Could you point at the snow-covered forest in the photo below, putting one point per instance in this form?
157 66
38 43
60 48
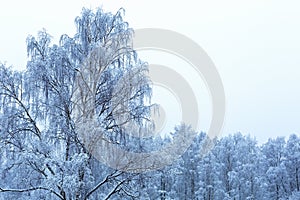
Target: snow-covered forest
42 156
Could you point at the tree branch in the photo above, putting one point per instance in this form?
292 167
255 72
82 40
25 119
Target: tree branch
32 189
106 179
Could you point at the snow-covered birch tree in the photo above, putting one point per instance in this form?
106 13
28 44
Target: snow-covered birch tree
42 155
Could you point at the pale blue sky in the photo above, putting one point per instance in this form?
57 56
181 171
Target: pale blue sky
254 44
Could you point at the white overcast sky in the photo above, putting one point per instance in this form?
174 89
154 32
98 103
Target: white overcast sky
254 44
